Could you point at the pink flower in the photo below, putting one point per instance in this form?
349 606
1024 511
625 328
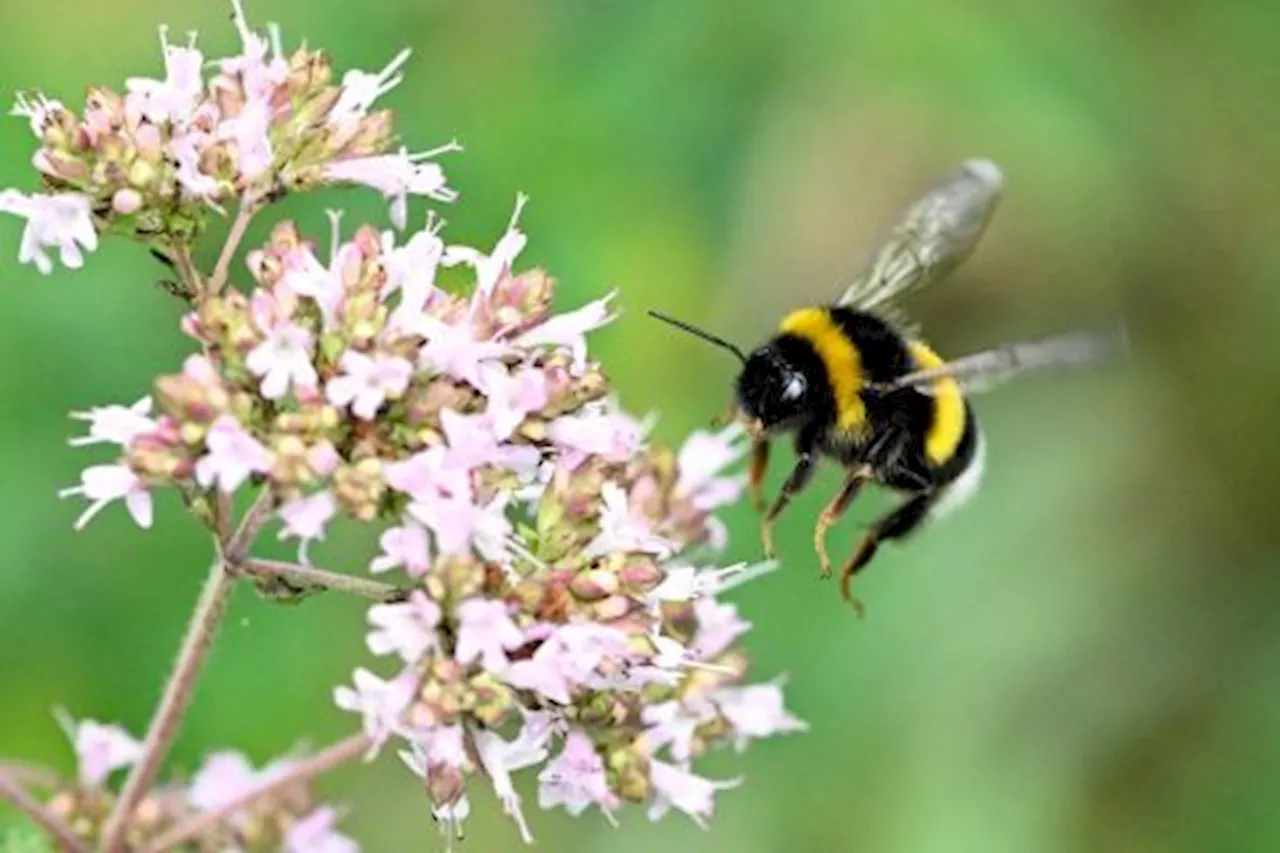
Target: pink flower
500 758
221 779
115 424
426 475
411 270
455 350
305 518
380 703
756 711
226 776
621 530
233 456
473 443
567 658
490 268
186 150
63 221
718 626
283 358
512 395
406 546
676 787
674 723
485 633
306 276
396 176
568 331
575 779
459 524
315 834
323 458
702 457
103 484
613 435
368 381
360 89
435 747
37 109
174 98
251 133
406 628
100 749
683 583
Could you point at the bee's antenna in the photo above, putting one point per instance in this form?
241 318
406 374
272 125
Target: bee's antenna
699 333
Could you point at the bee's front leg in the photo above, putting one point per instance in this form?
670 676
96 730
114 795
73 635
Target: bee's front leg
755 472
806 461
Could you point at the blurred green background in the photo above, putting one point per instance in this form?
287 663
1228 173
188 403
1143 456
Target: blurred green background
1087 657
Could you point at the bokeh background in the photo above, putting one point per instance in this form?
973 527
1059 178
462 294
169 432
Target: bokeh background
1086 658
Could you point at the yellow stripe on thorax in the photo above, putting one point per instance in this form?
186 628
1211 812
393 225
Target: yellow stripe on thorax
947 429
839 355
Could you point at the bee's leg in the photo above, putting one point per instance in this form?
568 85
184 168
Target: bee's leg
798 479
726 417
839 504
895 525
755 472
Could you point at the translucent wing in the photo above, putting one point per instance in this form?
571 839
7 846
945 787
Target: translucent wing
934 236
985 370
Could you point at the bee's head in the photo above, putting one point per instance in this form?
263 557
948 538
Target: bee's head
772 391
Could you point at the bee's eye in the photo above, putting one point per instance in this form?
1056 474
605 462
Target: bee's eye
794 389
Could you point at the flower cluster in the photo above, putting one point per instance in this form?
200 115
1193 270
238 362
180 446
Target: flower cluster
551 596
152 162
556 610
223 791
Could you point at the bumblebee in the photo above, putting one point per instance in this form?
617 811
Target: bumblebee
854 382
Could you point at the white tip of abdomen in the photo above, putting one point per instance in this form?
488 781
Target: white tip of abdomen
966 485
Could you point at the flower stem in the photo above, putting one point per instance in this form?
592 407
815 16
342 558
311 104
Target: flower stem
309 577
29 775
238 226
173 703
192 285
237 547
322 762
67 840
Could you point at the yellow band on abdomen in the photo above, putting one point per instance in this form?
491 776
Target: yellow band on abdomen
947 429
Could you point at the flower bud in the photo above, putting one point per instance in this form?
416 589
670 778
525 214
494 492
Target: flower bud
359 488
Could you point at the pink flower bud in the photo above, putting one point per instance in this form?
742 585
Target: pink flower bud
126 201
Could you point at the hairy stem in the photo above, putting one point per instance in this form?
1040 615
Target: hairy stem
322 762
238 226
237 547
29 775
192 284
313 578
174 701
67 840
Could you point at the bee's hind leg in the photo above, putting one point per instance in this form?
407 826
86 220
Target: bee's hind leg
897 524
831 514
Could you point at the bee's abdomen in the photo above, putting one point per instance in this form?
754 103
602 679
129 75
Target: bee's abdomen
950 418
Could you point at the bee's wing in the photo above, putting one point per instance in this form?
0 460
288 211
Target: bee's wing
985 370
933 237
